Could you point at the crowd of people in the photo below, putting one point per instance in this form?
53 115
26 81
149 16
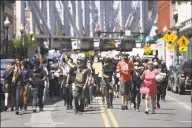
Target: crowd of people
78 83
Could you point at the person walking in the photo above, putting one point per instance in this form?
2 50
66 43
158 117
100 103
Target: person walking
149 86
8 88
97 64
164 83
135 92
107 73
81 81
125 67
17 81
37 78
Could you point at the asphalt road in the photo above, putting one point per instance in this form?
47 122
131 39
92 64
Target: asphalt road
174 112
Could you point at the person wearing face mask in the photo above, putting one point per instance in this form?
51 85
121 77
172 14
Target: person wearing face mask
107 73
37 77
164 83
81 83
125 67
149 86
96 66
159 87
135 93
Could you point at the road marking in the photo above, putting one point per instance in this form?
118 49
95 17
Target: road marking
113 118
106 122
185 121
179 102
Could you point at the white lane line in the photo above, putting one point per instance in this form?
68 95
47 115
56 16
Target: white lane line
185 121
181 103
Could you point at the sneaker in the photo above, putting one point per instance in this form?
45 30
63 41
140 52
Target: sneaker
6 108
153 111
146 111
67 108
40 109
71 107
158 105
75 111
12 108
17 112
34 110
132 105
122 107
111 106
126 107
137 110
25 107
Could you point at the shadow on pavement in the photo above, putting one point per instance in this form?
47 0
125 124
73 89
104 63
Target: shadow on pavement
48 102
165 113
167 109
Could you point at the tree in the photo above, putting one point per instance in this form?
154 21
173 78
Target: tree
58 30
22 49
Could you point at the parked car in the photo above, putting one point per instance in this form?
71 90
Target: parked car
177 77
3 63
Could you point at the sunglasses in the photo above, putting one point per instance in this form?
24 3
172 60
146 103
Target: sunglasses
136 65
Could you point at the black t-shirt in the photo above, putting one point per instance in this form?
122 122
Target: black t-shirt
72 74
7 76
37 77
108 70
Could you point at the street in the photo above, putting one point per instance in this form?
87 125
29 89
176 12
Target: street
174 112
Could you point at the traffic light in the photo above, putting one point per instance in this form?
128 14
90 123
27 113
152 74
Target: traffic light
121 32
99 31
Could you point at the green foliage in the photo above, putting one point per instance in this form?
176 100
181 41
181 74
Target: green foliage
27 41
58 30
22 50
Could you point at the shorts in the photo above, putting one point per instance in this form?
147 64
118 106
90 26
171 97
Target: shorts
125 86
8 88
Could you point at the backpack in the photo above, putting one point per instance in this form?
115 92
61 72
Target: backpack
81 75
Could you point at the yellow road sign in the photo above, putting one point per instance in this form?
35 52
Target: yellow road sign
183 48
113 44
147 49
171 47
183 41
169 37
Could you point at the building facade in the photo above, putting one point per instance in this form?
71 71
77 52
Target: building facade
164 19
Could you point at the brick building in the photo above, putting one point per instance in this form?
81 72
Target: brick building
164 15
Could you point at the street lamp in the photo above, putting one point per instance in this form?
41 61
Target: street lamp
6 24
22 39
177 27
22 31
